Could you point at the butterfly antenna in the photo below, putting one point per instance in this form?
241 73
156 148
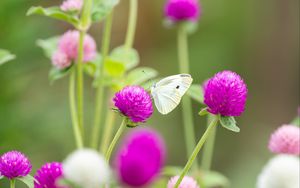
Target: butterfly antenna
150 80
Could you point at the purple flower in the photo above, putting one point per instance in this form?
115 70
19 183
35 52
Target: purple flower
134 102
285 140
182 10
48 174
14 164
225 94
140 158
60 60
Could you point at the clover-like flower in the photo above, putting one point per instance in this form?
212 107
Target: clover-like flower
14 164
140 158
72 5
285 140
86 168
225 94
134 102
48 175
281 171
187 182
182 10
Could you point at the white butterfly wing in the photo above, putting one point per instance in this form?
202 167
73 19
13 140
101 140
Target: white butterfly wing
167 92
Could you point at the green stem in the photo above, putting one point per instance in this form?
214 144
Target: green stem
80 81
109 127
100 87
133 9
208 149
75 124
198 147
12 183
115 139
186 101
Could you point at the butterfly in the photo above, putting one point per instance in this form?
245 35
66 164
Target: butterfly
167 93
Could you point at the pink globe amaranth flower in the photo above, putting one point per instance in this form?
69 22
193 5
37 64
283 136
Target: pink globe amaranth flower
226 94
187 182
48 175
285 140
134 102
60 60
68 44
182 10
71 5
139 160
14 164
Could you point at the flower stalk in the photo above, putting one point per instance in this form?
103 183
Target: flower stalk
100 87
133 9
75 123
12 183
198 147
208 149
115 139
187 112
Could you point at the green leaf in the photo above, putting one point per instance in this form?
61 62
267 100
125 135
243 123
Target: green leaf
56 73
114 68
28 180
196 92
49 45
92 67
140 75
54 12
5 56
229 123
203 112
102 8
128 57
214 179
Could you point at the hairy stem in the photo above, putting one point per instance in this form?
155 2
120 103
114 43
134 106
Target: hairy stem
12 183
115 139
133 9
109 127
75 124
100 87
198 147
208 149
187 112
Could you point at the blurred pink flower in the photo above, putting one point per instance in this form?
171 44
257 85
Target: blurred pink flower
187 182
71 5
60 60
285 140
68 44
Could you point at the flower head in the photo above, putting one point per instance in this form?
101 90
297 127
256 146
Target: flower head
140 158
187 182
48 175
69 42
14 164
285 140
182 10
60 60
72 5
87 168
281 171
135 103
225 94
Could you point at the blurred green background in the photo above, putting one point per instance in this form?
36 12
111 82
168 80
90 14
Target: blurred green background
258 39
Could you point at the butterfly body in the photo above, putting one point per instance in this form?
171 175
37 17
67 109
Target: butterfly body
167 93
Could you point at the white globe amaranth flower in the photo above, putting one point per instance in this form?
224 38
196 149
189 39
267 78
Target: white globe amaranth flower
282 171
86 168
